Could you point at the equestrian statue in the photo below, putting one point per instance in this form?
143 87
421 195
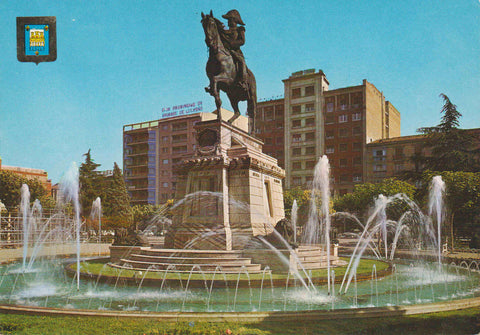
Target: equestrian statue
226 68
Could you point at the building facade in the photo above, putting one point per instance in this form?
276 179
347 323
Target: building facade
151 151
29 173
317 121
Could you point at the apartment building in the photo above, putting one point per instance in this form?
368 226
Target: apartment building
152 150
317 121
392 157
269 127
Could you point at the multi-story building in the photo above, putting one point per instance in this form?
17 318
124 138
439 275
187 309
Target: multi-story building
355 116
317 121
393 157
269 127
152 149
29 173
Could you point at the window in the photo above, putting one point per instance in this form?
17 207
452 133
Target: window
165 150
310 164
343 118
343 102
310 136
380 167
297 151
357 160
343 147
279 140
296 138
344 178
357 131
357 178
296 109
296 165
165 184
357 99
165 161
269 126
177 150
329 134
398 167
279 111
179 126
268 114
296 93
310 122
309 108
179 138
309 90
268 141
356 116
258 130
296 123
357 146
165 139
297 181
165 127
279 124
164 172
343 162
310 151
329 107
343 132
329 118
330 150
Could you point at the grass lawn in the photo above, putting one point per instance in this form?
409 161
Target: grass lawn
455 322
364 268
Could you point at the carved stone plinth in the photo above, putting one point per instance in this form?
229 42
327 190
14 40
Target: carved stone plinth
231 191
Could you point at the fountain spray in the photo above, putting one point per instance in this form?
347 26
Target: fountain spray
69 187
318 224
294 220
24 206
435 207
97 212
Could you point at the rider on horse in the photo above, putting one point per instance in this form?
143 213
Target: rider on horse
234 38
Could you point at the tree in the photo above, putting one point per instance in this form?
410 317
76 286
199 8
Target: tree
364 195
452 149
10 185
91 183
116 203
462 200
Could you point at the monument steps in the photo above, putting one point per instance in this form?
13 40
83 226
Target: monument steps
197 260
185 267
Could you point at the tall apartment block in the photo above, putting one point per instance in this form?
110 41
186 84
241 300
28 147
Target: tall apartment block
151 151
318 121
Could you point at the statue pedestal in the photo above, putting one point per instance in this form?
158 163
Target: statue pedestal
231 191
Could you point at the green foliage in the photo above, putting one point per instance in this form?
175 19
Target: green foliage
91 184
116 202
10 185
303 200
364 195
462 197
452 149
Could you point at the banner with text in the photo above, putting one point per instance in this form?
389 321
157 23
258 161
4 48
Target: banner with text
185 109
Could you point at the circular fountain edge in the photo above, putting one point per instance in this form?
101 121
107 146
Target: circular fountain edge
368 312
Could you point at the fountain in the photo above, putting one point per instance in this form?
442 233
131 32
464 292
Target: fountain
228 234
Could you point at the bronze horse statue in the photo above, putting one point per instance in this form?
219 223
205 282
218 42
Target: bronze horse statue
223 72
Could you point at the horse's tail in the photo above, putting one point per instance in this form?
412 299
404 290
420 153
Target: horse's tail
252 95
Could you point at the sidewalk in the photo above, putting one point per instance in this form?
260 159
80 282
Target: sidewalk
65 249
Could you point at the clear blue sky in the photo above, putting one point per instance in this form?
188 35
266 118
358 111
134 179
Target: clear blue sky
120 62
